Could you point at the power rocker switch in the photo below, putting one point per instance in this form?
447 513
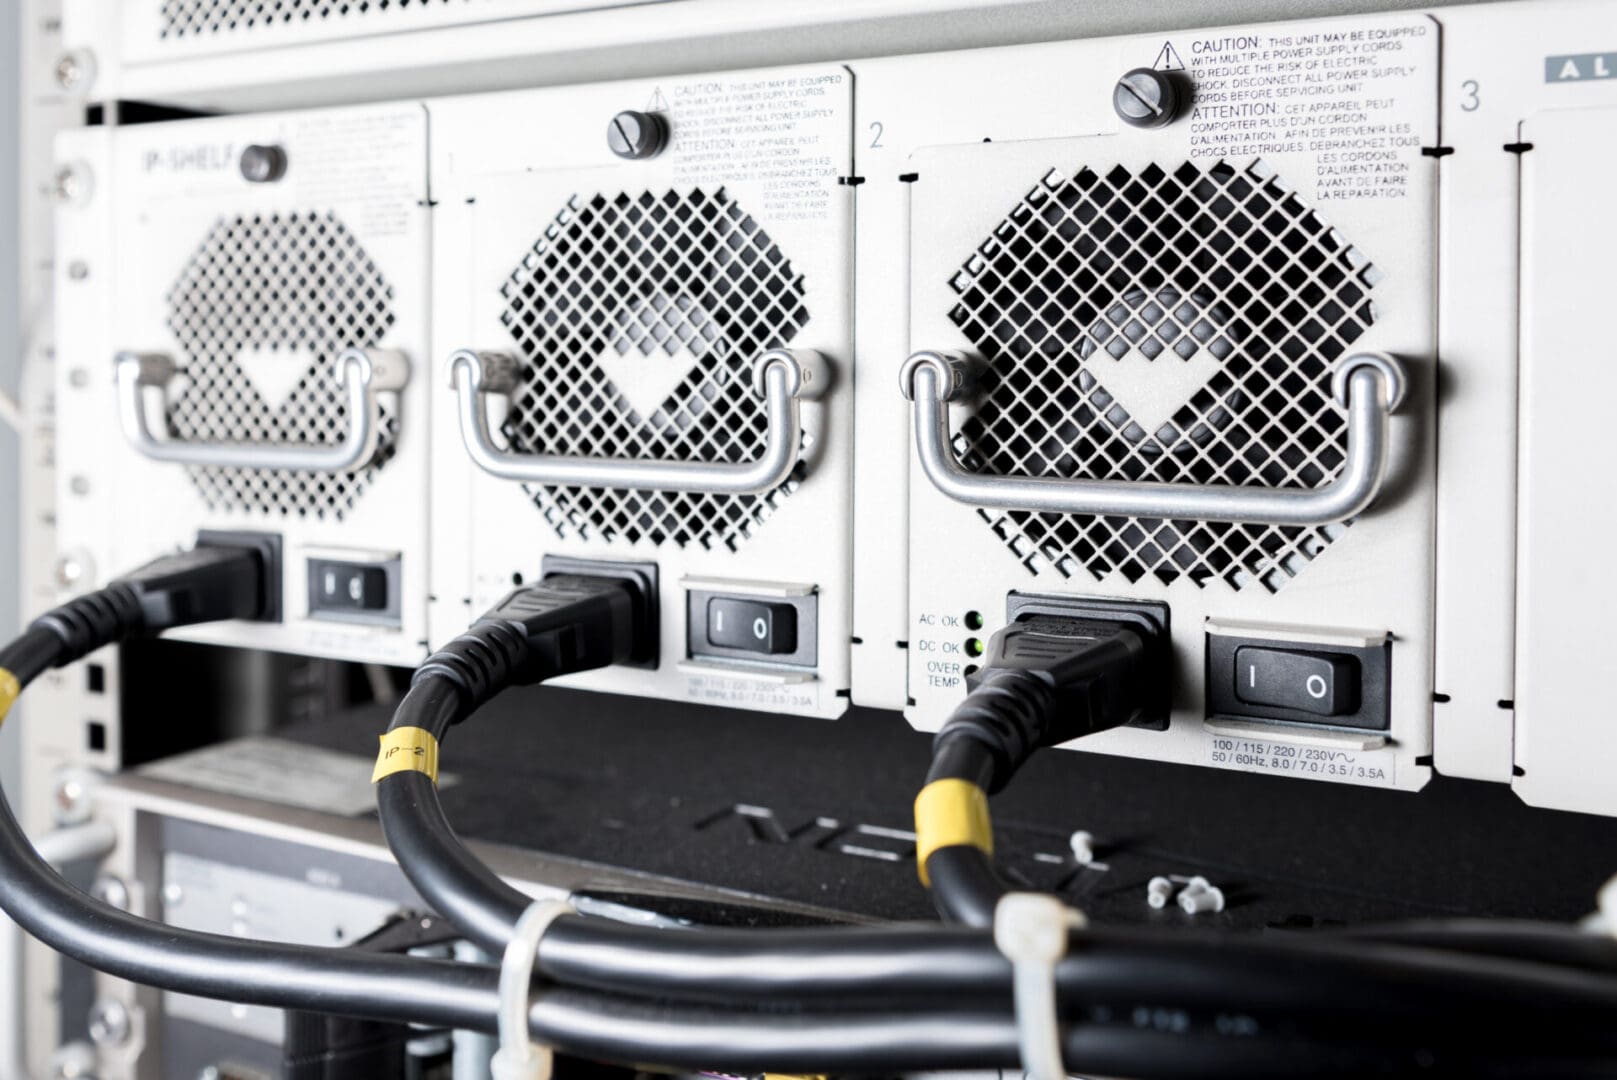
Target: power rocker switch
1298 675
338 586
1323 683
752 625
360 587
757 624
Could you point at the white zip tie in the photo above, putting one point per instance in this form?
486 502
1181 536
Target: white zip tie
1031 930
519 1058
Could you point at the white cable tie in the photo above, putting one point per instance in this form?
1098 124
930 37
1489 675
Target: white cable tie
519 1058
1031 930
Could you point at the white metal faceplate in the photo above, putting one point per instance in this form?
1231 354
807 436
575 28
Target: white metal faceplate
1566 741
676 271
1336 112
167 30
1508 712
239 282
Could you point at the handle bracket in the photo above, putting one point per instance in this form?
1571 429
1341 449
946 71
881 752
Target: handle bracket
363 373
1370 386
782 377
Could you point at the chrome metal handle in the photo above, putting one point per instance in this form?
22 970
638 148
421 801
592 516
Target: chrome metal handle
1370 386
363 373
782 377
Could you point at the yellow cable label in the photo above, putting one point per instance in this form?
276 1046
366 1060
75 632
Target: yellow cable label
949 813
407 749
10 690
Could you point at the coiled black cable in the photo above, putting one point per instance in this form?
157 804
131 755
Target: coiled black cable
855 1000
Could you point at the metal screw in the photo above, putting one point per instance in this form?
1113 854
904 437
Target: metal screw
73 1061
75 70
78 270
109 1023
1146 98
71 183
1158 891
637 135
173 895
263 164
69 571
111 891
79 485
78 378
71 797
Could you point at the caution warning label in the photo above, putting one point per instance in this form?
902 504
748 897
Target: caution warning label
1356 97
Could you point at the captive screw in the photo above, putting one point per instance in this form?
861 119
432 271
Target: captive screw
263 164
1147 98
636 136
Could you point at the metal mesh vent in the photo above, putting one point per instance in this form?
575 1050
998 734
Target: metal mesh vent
1174 326
191 18
681 291
282 294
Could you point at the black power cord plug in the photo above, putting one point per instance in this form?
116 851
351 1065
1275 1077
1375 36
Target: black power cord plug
1046 679
561 625
206 584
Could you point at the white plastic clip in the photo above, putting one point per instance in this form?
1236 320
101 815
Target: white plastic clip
1031 930
518 1058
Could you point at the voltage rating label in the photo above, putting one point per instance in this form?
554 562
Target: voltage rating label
1374 767
1357 98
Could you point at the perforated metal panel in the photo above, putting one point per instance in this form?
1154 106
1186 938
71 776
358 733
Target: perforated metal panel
1101 290
183 18
687 281
284 294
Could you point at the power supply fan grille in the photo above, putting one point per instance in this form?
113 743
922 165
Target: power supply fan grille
1172 326
192 18
261 312
674 294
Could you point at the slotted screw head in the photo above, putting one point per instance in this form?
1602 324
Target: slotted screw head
109 1023
636 136
1146 98
74 70
263 164
71 183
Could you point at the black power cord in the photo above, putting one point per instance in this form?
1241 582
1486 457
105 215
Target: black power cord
1045 679
855 1000
1048 680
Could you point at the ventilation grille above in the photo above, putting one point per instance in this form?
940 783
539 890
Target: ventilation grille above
1172 324
261 313
638 318
195 18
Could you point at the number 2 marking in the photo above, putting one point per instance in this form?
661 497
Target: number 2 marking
875 141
